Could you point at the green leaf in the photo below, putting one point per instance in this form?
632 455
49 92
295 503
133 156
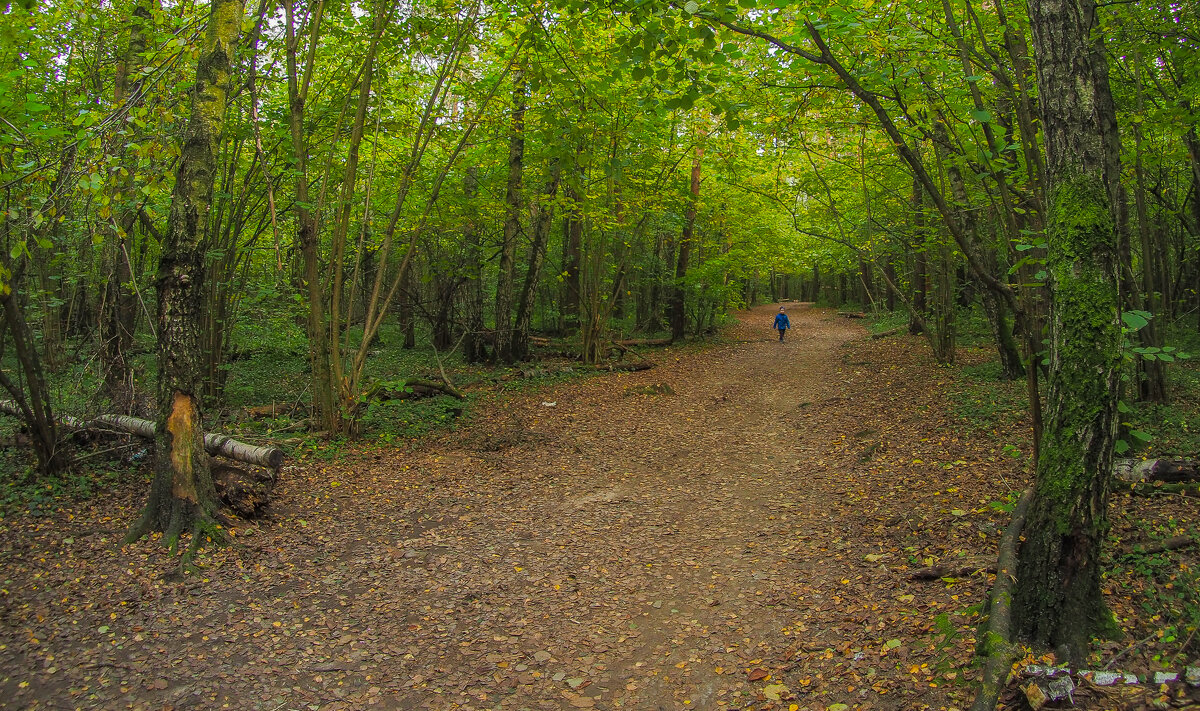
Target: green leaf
981 116
691 7
1134 319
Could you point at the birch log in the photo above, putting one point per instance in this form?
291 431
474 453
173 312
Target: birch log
214 444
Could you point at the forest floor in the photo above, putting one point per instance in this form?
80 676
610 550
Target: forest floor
735 528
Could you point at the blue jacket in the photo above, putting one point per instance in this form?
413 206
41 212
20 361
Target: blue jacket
781 321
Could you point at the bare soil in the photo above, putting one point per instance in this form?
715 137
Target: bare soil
743 537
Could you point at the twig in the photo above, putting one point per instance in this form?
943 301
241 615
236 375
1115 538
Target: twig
1129 649
136 290
442 368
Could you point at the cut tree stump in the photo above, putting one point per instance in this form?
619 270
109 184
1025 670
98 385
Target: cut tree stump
245 490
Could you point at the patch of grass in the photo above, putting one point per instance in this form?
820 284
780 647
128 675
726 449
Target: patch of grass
972 328
23 490
391 420
880 321
985 402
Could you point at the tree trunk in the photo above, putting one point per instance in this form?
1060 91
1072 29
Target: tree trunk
182 495
118 314
409 295
325 407
889 278
572 243
31 396
537 253
920 279
944 307
474 345
1152 385
1059 601
678 300
512 224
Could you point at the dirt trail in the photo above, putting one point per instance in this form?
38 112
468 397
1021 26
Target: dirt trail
587 547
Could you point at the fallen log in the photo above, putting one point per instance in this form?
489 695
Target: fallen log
995 629
953 570
889 332
416 388
1149 488
644 342
1169 470
214 444
1169 544
624 367
852 314
275 409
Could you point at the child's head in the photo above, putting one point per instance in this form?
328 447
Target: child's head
781 308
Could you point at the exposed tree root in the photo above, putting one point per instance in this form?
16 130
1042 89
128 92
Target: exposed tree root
205 527
995 632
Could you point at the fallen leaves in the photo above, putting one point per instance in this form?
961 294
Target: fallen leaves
597 550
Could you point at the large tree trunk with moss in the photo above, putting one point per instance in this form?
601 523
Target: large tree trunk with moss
1058 602
182 495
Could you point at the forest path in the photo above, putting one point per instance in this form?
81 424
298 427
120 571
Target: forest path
744 542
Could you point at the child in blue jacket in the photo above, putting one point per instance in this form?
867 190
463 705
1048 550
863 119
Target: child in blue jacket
781 323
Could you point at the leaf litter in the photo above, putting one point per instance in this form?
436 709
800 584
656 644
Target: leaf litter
746 541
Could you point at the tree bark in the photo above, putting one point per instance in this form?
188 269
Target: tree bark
572 243
1152 385
474 344
678 300
920 261
118 307
325 407
182 495
512 223
1059 601
32 397
537 253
